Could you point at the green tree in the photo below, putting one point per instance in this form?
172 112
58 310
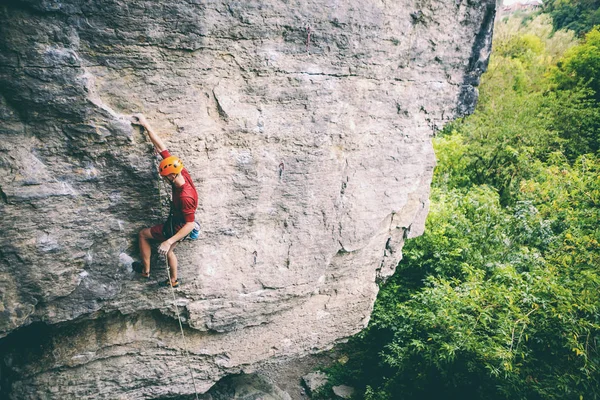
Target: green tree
581 66
577 78
577 15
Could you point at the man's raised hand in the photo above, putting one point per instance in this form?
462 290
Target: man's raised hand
139 119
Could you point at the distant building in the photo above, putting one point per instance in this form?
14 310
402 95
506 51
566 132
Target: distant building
524 5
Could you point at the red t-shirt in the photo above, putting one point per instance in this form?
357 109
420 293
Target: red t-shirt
185 198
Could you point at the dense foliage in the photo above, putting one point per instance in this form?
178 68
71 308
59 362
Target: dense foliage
499 299
577 15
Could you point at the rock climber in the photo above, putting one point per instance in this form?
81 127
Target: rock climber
181 217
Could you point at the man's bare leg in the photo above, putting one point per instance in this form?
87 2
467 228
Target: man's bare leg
145 249
172 258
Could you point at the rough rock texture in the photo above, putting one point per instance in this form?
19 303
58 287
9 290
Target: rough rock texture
246 387
314 381
290 375
306 126
343 391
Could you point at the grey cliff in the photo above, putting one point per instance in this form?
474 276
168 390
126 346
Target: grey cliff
307 128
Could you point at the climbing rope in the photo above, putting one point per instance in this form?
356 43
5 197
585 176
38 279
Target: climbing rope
185 350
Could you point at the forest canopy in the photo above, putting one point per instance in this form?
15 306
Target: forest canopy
577 15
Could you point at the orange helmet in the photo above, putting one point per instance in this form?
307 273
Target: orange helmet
170 165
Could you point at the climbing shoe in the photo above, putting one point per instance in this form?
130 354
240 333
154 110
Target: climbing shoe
167 283
139 268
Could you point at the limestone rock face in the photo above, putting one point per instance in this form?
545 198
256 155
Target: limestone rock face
246 387
314 381
307 128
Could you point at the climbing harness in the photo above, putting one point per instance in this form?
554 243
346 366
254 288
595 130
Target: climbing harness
168 228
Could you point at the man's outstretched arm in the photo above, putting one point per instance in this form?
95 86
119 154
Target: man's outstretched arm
139 119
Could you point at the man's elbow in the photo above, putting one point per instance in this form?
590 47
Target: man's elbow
188 226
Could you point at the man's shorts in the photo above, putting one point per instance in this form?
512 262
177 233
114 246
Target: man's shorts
158 232
161 232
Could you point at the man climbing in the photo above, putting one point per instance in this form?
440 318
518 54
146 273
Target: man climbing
183 206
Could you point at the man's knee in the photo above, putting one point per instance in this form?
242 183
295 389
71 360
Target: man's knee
170 252
145 234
